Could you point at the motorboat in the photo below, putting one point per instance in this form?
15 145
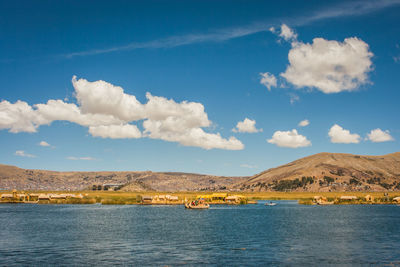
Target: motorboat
270 204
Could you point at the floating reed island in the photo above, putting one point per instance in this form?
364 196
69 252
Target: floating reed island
180 198
121 198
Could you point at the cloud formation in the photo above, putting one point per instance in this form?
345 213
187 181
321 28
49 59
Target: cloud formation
44 143
289 139
351 8
246 126
109 112
268 80
329 66
22 153
81 158
287 33
340 135
304 123
378 136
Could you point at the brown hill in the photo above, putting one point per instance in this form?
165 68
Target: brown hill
15 178
330 172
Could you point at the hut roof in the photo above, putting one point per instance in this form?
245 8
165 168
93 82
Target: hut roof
44 196
232 197
6 195
147 197
172 197
204 196
396 199
348 197
219 194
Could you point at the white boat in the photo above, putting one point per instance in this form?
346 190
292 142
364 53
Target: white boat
270 204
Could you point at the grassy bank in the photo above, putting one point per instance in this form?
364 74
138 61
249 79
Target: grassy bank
129 198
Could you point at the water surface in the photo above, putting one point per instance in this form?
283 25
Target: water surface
286 234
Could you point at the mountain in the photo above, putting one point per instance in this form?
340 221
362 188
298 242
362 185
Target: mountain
319 172
12 177
329 172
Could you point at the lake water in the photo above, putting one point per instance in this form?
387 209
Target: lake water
286 234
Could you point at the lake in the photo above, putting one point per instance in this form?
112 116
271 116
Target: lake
248 235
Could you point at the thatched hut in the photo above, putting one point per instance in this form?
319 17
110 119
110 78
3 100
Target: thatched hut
43 197
348 198
396 199
369 198
172 198
147 199
7 196
57 196
232 199
218 196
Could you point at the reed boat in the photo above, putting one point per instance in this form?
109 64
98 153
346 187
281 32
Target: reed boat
198 206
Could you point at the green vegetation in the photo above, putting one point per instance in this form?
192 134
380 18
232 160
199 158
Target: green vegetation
285 185
355 181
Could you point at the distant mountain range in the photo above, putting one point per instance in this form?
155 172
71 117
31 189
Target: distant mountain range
319 172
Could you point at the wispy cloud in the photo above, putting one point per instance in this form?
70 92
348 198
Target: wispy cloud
81 158
356 8
248 166
22 153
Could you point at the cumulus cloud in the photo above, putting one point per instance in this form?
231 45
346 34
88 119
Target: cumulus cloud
340 135
268 80
115 131
304 123
81 158
44 143
329 66
22 153
108 112
289 139
246 126
377 136
287 33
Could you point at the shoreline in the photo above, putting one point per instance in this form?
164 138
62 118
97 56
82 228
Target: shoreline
179 198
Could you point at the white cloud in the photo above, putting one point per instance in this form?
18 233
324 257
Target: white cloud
287 33
377 136
340 135
81 158
268 80
22 153
108 112
248 166
329 66
164 130
246 126
289 139
293 98
304 123
44 143
19 117
115 131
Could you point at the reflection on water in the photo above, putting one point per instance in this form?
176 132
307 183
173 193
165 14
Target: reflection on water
223 235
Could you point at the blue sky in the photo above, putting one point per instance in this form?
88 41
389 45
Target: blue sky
333 63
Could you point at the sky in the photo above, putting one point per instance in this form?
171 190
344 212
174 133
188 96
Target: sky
216 87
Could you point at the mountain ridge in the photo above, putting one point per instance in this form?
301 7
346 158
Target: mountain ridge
318 172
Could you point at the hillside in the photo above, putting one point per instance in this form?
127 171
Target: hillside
330 172
16 178
320 172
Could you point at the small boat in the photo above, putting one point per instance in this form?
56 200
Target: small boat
191 205
270 204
